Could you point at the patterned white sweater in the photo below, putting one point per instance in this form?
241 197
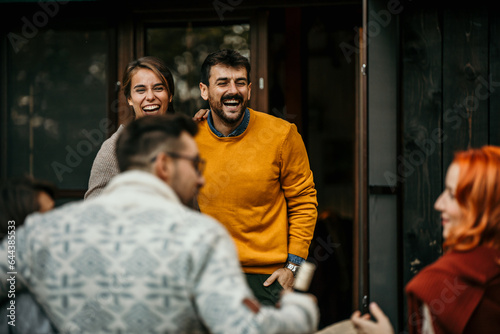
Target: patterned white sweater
134 260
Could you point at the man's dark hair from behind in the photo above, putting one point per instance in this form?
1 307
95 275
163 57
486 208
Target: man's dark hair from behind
145 137
226 57
18 199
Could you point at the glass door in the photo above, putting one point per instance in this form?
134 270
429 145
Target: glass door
184 47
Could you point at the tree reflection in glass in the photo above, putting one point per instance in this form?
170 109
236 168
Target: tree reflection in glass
185 48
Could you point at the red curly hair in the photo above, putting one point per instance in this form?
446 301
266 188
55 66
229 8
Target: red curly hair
478 195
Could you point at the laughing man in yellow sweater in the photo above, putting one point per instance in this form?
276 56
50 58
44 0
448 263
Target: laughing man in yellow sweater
258 180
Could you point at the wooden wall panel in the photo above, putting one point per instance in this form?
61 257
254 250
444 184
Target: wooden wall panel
493 90
465 71
450 100
420 167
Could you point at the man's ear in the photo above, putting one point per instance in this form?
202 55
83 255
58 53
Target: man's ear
163 167
204 91
130 103
249 90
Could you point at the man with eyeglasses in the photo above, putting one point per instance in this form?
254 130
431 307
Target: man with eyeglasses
136 260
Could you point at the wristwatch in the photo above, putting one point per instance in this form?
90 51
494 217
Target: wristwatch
293 267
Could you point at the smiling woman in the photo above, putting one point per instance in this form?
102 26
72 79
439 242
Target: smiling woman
148 86
447 204
149 95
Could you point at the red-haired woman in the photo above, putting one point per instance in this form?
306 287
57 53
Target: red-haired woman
460 292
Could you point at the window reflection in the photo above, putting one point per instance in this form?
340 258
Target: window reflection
185 48
57 87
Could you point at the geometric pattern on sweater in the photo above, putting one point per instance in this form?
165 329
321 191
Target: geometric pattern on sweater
134 260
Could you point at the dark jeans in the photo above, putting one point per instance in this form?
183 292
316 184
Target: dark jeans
267 295
31 319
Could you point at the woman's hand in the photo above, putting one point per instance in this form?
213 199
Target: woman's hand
201 115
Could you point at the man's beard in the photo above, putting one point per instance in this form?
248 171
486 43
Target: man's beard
217 108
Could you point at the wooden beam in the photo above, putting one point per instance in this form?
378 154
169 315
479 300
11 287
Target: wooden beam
126 54
259 61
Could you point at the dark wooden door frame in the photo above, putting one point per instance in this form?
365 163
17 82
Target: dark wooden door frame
360 226
131 45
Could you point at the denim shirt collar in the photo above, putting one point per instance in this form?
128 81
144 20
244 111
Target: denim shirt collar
236 132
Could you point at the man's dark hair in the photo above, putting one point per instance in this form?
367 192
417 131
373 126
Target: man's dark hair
147 136
225 57
19 198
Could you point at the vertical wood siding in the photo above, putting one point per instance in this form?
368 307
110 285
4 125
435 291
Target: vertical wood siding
450 100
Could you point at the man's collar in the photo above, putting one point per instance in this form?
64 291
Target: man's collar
236 132
141 180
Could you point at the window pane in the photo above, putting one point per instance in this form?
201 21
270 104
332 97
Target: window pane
57 99
185 48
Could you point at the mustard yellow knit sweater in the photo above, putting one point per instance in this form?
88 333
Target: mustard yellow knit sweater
260 187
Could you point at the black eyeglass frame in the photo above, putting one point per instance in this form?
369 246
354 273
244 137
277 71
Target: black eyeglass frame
198 162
